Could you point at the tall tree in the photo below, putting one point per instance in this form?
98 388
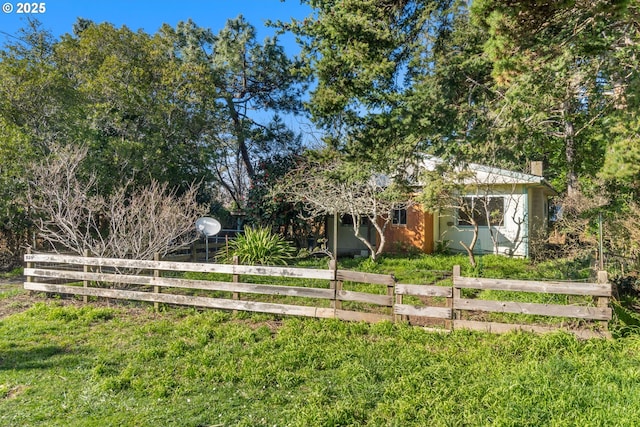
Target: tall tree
142 120
16 152
36 96
358 52
452 91
36 106
556 64
243 81
179 106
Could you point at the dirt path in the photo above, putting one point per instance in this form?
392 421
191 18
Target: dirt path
11 280
13 298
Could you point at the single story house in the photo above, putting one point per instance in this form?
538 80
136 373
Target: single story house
518 204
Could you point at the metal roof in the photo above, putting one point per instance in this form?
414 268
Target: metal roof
490 175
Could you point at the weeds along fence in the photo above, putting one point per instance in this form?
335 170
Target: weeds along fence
456 302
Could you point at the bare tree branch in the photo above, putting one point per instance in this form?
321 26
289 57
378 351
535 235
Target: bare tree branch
324 190
129 223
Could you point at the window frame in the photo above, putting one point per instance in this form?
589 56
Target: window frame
397 217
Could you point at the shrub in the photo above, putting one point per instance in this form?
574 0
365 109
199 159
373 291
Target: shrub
259 246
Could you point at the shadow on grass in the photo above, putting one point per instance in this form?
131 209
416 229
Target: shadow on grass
43 357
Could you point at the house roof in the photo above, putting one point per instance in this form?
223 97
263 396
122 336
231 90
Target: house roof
482 175
491 175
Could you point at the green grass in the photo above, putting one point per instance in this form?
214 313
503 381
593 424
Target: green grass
96 366
423 268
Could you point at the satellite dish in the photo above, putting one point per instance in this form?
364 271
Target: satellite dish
208 226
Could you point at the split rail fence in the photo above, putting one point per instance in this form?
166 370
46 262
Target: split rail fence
320 293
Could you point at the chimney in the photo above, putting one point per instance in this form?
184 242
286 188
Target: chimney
537 168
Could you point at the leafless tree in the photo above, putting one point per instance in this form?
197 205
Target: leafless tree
575 221
326 189
135 223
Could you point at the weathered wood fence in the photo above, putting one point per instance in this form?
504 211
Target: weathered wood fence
321 293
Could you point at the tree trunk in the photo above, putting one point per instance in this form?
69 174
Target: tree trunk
570 150
356 232
240 137
470 246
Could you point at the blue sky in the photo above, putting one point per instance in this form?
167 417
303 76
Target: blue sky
60 15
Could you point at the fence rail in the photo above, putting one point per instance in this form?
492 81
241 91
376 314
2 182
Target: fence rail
321 293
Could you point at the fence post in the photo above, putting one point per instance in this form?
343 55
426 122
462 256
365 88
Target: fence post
456 295
391 290
333 284
603 278
236 279
29 265
156 275
85 269
399 317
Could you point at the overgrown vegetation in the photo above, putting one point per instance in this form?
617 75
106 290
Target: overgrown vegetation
130 223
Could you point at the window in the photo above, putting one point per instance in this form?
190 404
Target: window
347 220
399 217
476 208
554 213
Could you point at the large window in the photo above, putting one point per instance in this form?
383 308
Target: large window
479 208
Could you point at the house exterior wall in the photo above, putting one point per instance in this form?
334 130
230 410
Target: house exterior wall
348 243
415 235
538 211
538 216
524 220
512 235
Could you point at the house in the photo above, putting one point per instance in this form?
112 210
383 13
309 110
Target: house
510 209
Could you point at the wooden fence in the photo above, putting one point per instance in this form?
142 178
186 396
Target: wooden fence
320 293
149 281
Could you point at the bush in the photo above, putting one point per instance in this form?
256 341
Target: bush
259 246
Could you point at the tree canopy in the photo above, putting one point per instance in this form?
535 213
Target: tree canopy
182 106
496 82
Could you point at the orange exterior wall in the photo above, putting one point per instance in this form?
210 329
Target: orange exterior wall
416 235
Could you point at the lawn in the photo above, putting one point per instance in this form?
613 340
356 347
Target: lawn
67 364
71 365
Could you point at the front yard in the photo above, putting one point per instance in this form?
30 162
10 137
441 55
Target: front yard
63 363
67 365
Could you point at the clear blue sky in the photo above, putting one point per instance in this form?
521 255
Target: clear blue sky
60 15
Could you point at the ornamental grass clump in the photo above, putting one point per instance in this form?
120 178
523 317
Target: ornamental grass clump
259 246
